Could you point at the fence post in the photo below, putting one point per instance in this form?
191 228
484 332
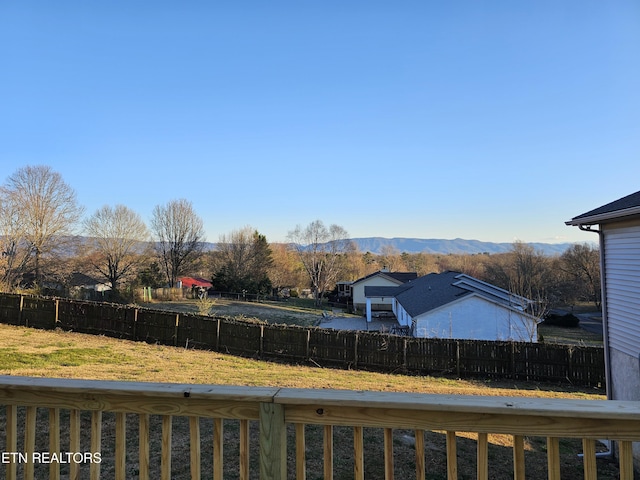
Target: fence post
135 324
20 311
355 351
219 321
57 309
570 366
261 341
308 347
273 442
175 330
404 355
458 358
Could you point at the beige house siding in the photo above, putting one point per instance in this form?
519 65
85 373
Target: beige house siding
359 300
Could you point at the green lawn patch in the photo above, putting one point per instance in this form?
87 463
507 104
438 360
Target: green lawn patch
12 358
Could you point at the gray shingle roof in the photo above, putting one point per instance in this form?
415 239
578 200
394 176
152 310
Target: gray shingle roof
401 277
429 292
437 289
628 205
80 279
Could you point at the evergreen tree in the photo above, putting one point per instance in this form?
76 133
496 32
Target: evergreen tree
244 259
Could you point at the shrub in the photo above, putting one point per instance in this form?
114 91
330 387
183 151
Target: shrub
566 321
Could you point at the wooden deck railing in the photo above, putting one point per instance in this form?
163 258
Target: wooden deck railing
71 443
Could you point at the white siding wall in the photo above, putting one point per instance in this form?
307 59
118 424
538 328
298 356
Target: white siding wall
622 286
404 319
622 277
476 319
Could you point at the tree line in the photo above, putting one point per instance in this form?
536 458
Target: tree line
45 238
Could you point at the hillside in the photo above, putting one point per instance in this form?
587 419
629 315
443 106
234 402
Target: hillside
442 246
375 245
461 246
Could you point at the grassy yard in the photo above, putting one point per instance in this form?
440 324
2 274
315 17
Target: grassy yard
44 353
70 355
571 336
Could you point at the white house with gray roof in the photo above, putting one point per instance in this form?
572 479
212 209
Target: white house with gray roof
455 305
618 227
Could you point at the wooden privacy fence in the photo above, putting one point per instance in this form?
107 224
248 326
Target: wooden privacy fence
92 429
333 348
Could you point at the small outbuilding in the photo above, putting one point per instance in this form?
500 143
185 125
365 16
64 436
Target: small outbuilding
199 286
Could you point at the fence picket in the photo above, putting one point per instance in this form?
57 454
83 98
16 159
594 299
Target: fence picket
96 442
12 439
30 441
143 449
452 456
553 458
301 467
165 461
483 456
74 442
358 453
121 446
54 442
194 446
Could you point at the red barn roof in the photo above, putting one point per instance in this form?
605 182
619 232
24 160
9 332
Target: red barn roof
190 282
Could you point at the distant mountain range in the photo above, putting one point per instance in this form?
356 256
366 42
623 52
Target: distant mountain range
460 246
457 246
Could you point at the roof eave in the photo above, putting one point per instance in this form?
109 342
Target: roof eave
603 217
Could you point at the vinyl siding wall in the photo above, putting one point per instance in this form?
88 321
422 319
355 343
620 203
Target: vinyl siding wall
622 285
622 277
474 318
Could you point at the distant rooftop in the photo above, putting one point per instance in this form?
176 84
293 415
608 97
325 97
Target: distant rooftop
402 277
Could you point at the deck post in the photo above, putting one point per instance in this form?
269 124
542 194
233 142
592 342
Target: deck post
273 442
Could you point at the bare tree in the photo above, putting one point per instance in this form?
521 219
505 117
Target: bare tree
581 262
179 235
117 237
47 210
319 249
391 259
286 269
525 272
14 253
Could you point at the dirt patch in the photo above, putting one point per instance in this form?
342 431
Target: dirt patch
276 313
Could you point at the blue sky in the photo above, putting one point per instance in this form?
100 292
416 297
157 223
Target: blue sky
495 120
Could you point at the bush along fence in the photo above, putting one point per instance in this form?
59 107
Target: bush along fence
578 365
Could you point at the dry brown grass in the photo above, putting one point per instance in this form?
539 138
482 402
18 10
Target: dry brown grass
41 353
280 312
